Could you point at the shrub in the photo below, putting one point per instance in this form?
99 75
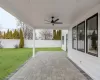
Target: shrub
16 46
21 44
1 45
54 34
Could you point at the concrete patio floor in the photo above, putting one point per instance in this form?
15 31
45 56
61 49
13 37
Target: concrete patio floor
49 66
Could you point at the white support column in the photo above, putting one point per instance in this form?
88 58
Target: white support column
33 42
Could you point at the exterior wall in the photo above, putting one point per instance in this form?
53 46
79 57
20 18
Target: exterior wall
64 46
10 43
90 64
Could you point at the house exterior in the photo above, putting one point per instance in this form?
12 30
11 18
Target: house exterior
80 17
84 42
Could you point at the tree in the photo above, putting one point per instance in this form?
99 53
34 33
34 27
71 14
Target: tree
7 34
4 35
1 36
16 34
27 30
10 35
20 23
59 35
45 34
21 44
28 33
54 34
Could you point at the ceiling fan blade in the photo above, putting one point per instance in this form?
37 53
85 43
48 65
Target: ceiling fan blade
56 20
58 23
47 21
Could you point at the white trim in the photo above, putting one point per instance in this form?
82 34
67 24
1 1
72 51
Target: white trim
33 42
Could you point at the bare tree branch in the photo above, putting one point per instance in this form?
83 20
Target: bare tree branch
46 34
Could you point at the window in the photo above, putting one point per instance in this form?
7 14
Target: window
92 35
74 37
81 37
62 39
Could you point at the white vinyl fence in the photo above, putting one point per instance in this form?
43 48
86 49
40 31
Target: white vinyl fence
10 43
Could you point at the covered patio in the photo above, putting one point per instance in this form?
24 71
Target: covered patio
55 65
49 66
37 13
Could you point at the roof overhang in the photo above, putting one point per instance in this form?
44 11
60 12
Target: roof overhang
35 12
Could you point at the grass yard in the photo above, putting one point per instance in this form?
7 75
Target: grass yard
48 49
11 59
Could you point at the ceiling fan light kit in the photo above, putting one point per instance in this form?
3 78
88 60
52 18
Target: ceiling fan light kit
54 21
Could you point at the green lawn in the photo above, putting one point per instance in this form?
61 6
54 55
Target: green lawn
48 49
11 59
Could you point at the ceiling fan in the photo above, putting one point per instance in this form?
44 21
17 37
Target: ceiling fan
54 21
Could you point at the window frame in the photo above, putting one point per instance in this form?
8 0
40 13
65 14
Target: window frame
95 15
72 37
84 35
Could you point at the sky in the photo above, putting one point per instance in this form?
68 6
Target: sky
7 21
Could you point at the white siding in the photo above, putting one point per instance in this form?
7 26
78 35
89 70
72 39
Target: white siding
90 64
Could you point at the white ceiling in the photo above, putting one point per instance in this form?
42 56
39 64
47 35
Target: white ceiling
34 12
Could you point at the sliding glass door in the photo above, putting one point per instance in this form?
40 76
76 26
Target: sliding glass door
74 37
81 37
92 35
